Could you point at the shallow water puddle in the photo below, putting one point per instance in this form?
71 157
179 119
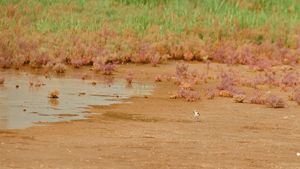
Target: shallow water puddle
28 105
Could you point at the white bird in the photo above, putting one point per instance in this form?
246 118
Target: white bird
196 114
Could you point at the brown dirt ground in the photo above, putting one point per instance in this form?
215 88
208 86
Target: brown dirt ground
157 132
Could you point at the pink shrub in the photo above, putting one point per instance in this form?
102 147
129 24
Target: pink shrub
275 102
188 95
270 78
290 79
258 80
210 93
257 98
105 68
263 64
77 63
143 53
192 96
108 68
40 60
182 70
59 68
227 82
296 96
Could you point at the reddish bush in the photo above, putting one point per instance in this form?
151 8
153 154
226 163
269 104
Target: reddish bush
39 59
182 70
210 93
227 82
290 79
108 68
270 78
59 68
295 96
188 95
105 68
275 102
263 64
257 98
77 63
258 80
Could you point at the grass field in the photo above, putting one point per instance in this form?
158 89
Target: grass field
46 16
136 30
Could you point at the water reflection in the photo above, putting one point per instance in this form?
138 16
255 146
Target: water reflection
29 104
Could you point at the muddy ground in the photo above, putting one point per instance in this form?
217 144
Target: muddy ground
159 132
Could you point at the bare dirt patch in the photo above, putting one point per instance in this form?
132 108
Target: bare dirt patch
159 132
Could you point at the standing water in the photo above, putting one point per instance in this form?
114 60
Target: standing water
24 98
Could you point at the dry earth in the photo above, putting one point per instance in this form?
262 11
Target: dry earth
158 132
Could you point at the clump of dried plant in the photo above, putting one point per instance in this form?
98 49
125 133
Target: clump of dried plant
275 102
290 79
295 96
105 67
210 94
257 98
239 98
188 95
60 68
54 94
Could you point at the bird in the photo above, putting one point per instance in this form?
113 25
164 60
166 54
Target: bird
196 115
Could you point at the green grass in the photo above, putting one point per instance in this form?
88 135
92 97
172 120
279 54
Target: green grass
59 16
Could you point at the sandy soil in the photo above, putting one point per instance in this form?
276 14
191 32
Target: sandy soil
158 132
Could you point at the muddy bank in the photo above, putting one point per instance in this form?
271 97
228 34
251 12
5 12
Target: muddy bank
158 132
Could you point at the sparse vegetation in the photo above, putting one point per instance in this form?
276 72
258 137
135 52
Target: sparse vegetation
275 102
54 94
59 68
